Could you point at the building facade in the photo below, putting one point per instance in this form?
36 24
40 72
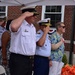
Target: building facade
56 13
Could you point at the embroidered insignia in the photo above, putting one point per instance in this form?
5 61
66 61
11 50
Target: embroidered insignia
45 45
26 30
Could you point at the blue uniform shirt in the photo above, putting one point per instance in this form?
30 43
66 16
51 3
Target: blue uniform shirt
45 50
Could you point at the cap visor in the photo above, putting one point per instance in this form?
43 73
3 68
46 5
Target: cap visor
48 24
36 13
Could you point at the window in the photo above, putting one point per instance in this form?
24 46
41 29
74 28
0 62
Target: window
3 11
56 13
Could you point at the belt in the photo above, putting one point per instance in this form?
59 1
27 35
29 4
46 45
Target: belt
15 54
41 56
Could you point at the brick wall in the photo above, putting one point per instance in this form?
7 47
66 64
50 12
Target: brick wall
68 22
13 12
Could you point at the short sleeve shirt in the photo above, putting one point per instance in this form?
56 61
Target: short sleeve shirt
56 55
24 40
45 50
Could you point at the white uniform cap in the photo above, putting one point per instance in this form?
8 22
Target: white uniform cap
28 7
44 22
2 18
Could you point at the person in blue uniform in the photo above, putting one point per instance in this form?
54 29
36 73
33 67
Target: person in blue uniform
43 49
23 42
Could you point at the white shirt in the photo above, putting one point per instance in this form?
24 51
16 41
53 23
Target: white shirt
24 40
2 30
45 50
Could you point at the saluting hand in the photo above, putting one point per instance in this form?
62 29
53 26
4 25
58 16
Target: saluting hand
46 29
28 14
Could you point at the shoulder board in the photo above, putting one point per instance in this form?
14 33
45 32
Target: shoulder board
38 33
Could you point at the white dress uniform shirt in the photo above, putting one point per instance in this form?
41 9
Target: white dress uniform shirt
45 50
24 40
2 30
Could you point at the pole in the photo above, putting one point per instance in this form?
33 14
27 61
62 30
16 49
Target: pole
72 37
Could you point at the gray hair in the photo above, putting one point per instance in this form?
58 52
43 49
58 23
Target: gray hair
58 24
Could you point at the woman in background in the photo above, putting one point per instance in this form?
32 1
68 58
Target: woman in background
5 47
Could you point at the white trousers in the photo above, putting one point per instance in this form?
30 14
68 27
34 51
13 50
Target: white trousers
56 67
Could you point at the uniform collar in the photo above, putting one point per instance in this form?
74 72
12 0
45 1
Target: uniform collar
41 31
28 24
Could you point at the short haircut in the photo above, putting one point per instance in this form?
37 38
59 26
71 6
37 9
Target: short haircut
58 24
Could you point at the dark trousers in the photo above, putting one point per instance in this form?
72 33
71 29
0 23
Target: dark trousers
41 65
20 64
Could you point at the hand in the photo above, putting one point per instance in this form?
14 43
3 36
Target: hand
46 29
50 63
28 14
62 39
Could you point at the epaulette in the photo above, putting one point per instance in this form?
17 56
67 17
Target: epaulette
38 33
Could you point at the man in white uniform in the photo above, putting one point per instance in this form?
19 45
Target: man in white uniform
23 42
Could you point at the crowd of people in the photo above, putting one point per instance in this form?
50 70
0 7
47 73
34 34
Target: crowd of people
23 49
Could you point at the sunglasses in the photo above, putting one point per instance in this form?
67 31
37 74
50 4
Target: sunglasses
62 26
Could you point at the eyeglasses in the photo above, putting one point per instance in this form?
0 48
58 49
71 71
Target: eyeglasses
62 26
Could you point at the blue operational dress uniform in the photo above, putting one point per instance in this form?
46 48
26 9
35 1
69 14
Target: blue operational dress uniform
41 60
